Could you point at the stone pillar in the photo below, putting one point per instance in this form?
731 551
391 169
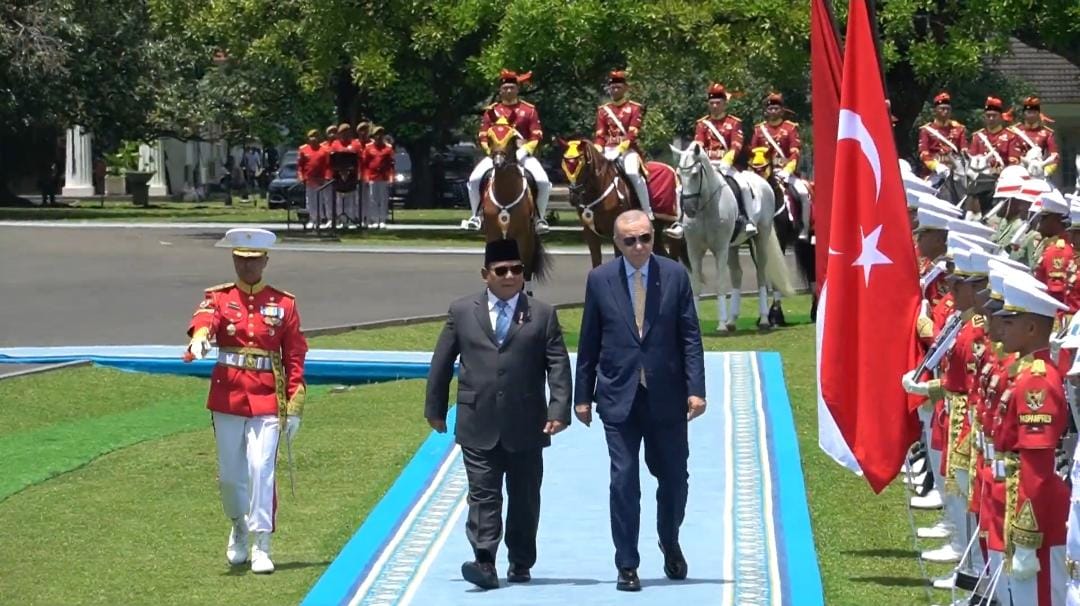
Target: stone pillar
152 159
78 167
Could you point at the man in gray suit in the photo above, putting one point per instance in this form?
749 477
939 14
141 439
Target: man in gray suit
509 345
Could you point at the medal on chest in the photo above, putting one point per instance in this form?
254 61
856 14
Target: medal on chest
272 314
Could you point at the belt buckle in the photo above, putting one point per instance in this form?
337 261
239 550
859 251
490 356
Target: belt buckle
251 362
1073 568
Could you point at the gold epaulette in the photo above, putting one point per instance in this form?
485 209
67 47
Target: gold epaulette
791 123
949 303
954 124
703 118
978 321
1060 243
283 292
524 102
222 286
1038 368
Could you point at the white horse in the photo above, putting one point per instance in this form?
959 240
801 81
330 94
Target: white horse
710 211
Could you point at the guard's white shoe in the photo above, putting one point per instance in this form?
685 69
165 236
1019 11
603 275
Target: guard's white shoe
946 582
309 225
382 225
941 530
944 554
473 223
540 226
915 468
260 554
932 500
751 230
650 215
675 231
237 552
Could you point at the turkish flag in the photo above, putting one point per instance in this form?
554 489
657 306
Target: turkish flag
871 294
826 72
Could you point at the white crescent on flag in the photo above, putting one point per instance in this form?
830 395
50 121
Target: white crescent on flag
851 127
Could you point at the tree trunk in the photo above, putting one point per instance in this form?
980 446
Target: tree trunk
907 97
346 95
422 192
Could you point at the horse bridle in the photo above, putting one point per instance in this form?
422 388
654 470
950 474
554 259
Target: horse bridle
577 191
504 209
684 197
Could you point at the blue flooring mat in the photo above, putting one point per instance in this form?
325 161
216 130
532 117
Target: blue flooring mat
747 533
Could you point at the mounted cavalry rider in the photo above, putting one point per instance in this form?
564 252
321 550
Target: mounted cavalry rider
618 126
721 135
942 139
776 144
1033 134
994 141
525 120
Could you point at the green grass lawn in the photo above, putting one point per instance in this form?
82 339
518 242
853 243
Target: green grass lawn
111 495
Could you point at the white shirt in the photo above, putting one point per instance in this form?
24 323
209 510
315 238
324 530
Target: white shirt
493 312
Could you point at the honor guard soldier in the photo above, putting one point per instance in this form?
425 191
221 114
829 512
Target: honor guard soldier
312 164
1056 266
618 127
941 139
256 389
1034 145
345 143
721 135
993 141
525 120
1034 419
780 137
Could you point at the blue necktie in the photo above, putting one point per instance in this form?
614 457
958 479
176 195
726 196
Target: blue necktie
502 321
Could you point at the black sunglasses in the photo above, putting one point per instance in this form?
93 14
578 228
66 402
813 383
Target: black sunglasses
502 269
630 241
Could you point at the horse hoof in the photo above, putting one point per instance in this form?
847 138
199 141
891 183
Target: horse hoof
763 324
730 327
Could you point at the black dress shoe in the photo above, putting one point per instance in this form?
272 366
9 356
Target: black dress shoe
518 574
674 562
628 580
481 574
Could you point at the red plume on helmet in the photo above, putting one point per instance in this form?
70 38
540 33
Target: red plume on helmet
717 91
617 77
943 98
993 104
774 98
1034 103
507 76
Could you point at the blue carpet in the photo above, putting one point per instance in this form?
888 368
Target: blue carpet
747 534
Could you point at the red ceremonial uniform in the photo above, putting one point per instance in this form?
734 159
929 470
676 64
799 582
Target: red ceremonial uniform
786 136
522 116
616 122
327 147
312 164
980 365
992 512
259 322
1036 498
719 136
984 142
378 162
938 141
958 366
1040 135
1056 267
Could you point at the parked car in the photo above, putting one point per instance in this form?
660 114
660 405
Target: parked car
399 189
451 169
286 188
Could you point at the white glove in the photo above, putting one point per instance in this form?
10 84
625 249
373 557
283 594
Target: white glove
912 386
612 153
1055 346
783 175
522 153
198 347
292 425
941 169
1025 563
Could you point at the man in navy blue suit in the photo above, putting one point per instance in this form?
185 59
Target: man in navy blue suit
640 359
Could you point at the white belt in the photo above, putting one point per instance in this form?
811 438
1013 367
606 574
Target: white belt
245 361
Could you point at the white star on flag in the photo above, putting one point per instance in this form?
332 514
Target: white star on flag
870 255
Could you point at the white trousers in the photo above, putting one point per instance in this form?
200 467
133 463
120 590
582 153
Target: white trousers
530 164
376 202
632 167
350 202
317 202
1001 591
1026 592
246 449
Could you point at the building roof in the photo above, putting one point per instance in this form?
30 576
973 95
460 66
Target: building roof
1054 79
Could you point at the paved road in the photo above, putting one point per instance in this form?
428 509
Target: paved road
129 286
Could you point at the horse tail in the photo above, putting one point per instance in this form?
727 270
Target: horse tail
805 260
542 260
773 258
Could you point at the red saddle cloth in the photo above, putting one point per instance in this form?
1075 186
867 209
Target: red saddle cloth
661 185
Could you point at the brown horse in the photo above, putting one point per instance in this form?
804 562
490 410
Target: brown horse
508 207
600 193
